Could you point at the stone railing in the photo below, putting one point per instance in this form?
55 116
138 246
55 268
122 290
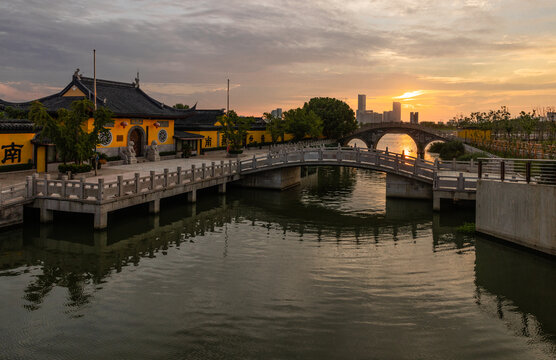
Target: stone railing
347 156
100 191
460 182
13 194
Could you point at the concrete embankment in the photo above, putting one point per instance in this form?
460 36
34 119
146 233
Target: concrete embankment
521 213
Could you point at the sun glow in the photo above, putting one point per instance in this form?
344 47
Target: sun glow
410 95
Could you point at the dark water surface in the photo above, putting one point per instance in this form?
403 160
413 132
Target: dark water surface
329 270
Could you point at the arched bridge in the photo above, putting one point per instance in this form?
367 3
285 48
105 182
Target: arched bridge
372 159
372 133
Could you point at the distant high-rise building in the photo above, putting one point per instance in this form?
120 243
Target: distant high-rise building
397 112
363 115
277 113
362 103
414 118
388 116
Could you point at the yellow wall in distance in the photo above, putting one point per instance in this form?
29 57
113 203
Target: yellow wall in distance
474 134
123 132
74 92
41 159
26 154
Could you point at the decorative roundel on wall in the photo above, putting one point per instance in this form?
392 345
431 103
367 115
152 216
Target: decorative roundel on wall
162 136
105 139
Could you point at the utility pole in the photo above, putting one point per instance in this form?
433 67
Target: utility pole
95 75
95 89
228 99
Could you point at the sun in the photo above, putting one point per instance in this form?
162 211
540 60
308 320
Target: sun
410 95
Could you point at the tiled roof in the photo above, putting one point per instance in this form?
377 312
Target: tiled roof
16 126
199 120
187 135
123 99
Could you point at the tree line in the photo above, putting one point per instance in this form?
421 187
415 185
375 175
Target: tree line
503 125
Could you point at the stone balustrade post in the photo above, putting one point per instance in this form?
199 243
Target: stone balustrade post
45 189
397 163
152 184
435 180
179 176
221 167
100 189
320 154
204 169
29 187
238 164
166 171
120 185
254 163
137 183
230 167
461 182
192 173
63 188
82 188
212 169
358 155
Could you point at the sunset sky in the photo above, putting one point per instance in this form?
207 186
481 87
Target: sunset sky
438 57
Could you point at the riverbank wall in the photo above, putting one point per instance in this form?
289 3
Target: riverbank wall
520 213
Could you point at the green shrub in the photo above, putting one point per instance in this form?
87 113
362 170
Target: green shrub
74 168
16 167
436 147
469 156
466 228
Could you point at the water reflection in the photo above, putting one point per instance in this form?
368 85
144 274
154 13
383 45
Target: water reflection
279 268
517 286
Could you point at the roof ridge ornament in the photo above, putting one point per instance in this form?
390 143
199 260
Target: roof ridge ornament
136 83
76 74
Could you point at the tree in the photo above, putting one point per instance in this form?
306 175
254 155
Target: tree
303 122
234 129
275 126
181 106
69 129
338 119
527 122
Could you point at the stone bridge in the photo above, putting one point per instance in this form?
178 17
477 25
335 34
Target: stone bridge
371 134
407 177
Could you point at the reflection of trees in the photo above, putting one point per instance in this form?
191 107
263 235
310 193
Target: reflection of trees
80 263
517 287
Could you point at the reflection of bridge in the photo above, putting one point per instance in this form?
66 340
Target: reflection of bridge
408 177
372 133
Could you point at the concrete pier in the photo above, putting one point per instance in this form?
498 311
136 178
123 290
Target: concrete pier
403 187
279 179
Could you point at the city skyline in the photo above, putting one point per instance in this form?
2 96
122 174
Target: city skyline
436 58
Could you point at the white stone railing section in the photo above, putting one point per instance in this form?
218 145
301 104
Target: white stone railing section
102 191
454 183
13 193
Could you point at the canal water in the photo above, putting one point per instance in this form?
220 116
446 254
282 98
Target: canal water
328 270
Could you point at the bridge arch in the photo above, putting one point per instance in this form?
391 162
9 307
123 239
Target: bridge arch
372 133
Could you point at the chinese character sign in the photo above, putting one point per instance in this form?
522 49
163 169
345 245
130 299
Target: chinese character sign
12 153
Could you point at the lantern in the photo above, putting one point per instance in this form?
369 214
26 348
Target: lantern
124 124
156 124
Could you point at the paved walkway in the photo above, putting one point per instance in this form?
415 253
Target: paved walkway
110 173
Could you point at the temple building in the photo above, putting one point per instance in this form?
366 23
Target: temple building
138 122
